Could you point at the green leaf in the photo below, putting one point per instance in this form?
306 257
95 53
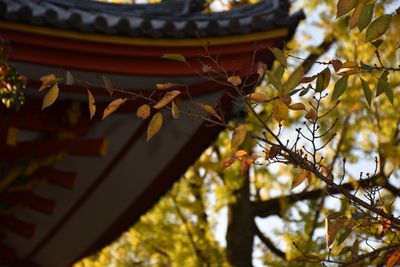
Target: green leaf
176 57
384 77
378 27
274 81
278 73
385 87
367 91
340 87
294 79
365 16
280 56
323 80
344 7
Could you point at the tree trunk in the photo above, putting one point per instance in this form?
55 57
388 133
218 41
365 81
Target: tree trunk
241 228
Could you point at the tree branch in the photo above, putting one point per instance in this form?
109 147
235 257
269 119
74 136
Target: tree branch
268 243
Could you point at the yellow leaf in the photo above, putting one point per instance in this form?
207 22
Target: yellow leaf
108 84
234 80
299 179
240 153
164 86
154 125
349 64
92 106
143 111
210 110
294 79
51 96
47 81
280 110
378 27
176 57
344 7
297 106
258 97
168 97
113 106
280 56
238 136
175 110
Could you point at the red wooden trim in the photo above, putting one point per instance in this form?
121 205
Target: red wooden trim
42 148
103 175
59 178
17 226
33 201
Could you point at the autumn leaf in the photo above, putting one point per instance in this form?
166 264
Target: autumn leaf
297 106
167 98
353 21
245 165
176 57
308 79
367 91
234 80
108 85
258 97
280 110
337 64
339 88
378 27
113 106
47 81
164 86
323 80
331 230
210 110
365 16
238 136
228 162
345 6
91 102
294 79
349 64
393 258
273 151
285 99
240 154
143 111
279 55
261 70
299 179
51 96
175 110
311 115
386 223
154 125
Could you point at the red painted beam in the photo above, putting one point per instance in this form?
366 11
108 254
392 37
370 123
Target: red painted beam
17 226
59 178
33 201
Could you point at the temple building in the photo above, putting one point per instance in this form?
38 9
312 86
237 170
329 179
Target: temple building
70 185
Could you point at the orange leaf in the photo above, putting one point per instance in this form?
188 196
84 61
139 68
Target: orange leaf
240 153
91 102
113 106
234 80
228 162
210 110
238 136
297 106
154 125
393 258
164 86
51 96
258 97
244 166
168 97
143 111
108 84
299 179
47 81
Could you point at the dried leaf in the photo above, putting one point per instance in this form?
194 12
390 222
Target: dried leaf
164 86
176 57
311 115
69 79
378 27
108 85
51 96
244 165
280 110
228 162
297 106
285 99
167 98
386 223
299 179
234 80
365 16
273 151
345 6
308 79
154 125
143 111
279 55
210 110
113 106
353 21
294 79
331 230
175 110
91 102
337 64
47 81
238 136
367 91
393 258
240 154
258 97
340 87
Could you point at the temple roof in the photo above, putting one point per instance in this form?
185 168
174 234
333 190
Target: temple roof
172 18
